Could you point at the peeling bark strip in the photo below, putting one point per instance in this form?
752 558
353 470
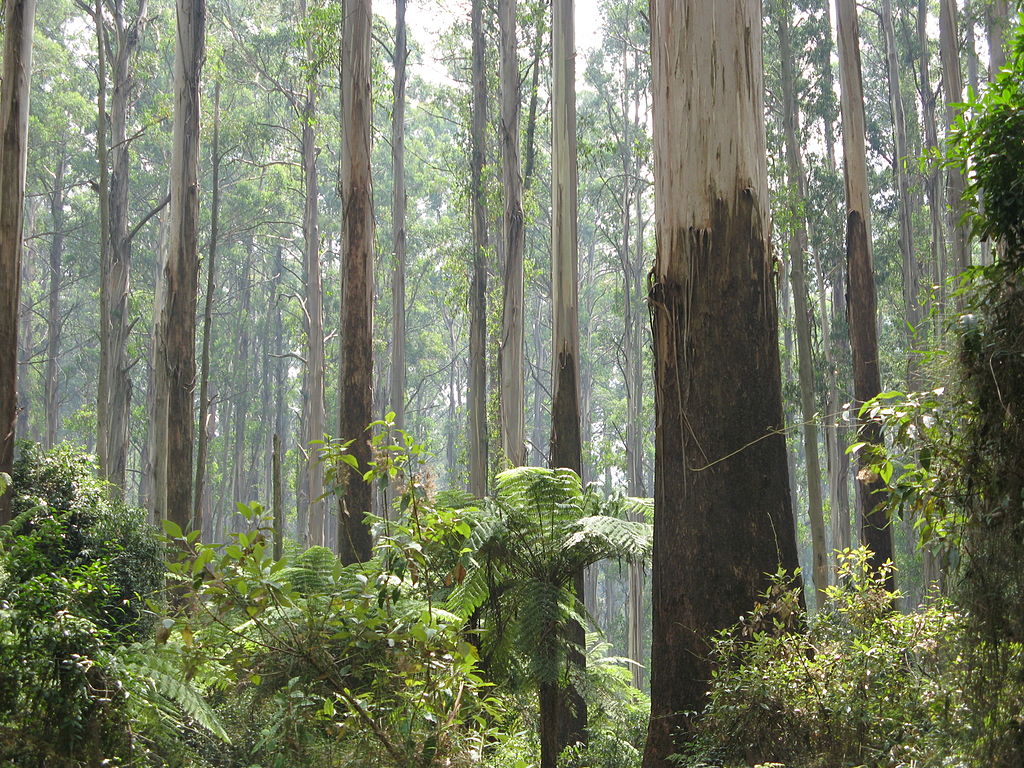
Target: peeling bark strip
356 386
19 21
175 361
723 517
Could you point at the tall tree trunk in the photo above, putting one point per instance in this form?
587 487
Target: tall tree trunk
566 447
723 517
19 22
798 248
176 346
861 309
354 543
478 281
53 319
911 288
315 369
933 187
127 35
278 501
510 354
398 341
953 91
242 376
205 431
102 385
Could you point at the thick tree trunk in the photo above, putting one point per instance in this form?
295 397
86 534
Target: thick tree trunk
242 376
861 309
205 431
478 280
54 323
19 22
798 249
278 501
398 334
102 385
566 447
176 346
510 353
356 386
723 516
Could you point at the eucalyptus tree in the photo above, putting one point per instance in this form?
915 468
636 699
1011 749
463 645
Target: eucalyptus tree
478 281
398 216
175 347
510 351
721 496
356 383
953 90
19 23
875 531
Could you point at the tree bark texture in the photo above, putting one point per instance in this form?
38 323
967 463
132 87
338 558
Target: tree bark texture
176 347
398 340
356 386
19 22
102 385
513 398
798 249
478 279
723 517
861 302
566 447
997 23
933 186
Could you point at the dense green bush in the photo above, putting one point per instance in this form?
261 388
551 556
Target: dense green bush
859 683
75 571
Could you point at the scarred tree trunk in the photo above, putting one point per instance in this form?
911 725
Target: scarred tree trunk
176 346
513 425
53 319
398 342
478 280
19 21
798 248
723 517
566 447
861 309
356 386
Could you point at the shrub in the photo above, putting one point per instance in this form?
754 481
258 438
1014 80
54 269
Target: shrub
74 572
858 683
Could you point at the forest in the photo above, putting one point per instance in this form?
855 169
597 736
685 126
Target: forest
512 383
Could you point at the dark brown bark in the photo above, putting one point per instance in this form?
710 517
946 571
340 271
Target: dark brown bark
19 22
566 446
356 386
723 517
